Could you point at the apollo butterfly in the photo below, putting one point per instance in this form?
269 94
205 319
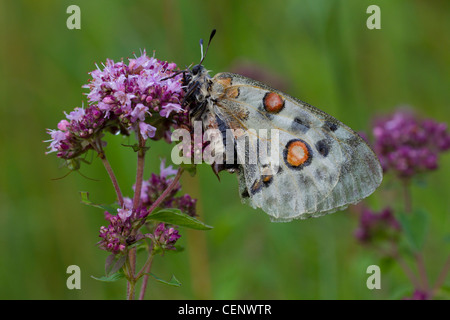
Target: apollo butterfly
321 166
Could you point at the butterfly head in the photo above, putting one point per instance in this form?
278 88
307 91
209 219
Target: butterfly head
197 83
197 69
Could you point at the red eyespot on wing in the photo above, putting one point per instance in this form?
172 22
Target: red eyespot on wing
272 102
297 154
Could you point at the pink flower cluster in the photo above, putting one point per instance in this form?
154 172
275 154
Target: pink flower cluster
406 144
373 225
155 186
116 236
137 97
165 236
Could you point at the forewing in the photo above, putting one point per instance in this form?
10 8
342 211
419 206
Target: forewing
323 164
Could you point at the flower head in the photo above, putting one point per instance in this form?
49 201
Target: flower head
141 89
116 236
141 97
374 226
408 145
165 172
418 295
165 236
153 188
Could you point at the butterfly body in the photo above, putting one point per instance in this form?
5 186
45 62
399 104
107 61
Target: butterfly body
311 163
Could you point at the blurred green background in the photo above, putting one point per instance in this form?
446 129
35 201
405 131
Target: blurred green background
319 51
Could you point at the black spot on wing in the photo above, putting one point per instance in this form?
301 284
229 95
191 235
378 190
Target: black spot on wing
267 180
323 147
300 125
245 194
330 126
257 186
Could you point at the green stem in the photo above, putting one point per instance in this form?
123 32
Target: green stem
130 295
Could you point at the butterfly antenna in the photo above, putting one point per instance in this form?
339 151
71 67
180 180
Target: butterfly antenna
209 42
173 75
201 50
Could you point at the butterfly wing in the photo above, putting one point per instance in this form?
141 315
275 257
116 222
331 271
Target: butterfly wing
321 165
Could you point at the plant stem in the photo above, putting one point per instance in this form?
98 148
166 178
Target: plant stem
130 295
137 197
132 252
422 271
424 284
130 281
407 196
139 172
132 264
112 177
441 278
160 198
167 191
148 263
395 254
145 270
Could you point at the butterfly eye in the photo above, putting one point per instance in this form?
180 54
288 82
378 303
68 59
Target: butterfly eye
196 69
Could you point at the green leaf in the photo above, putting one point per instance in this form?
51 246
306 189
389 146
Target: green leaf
415 227
109 262
114 263
111 208
111 278
176 217
172 282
